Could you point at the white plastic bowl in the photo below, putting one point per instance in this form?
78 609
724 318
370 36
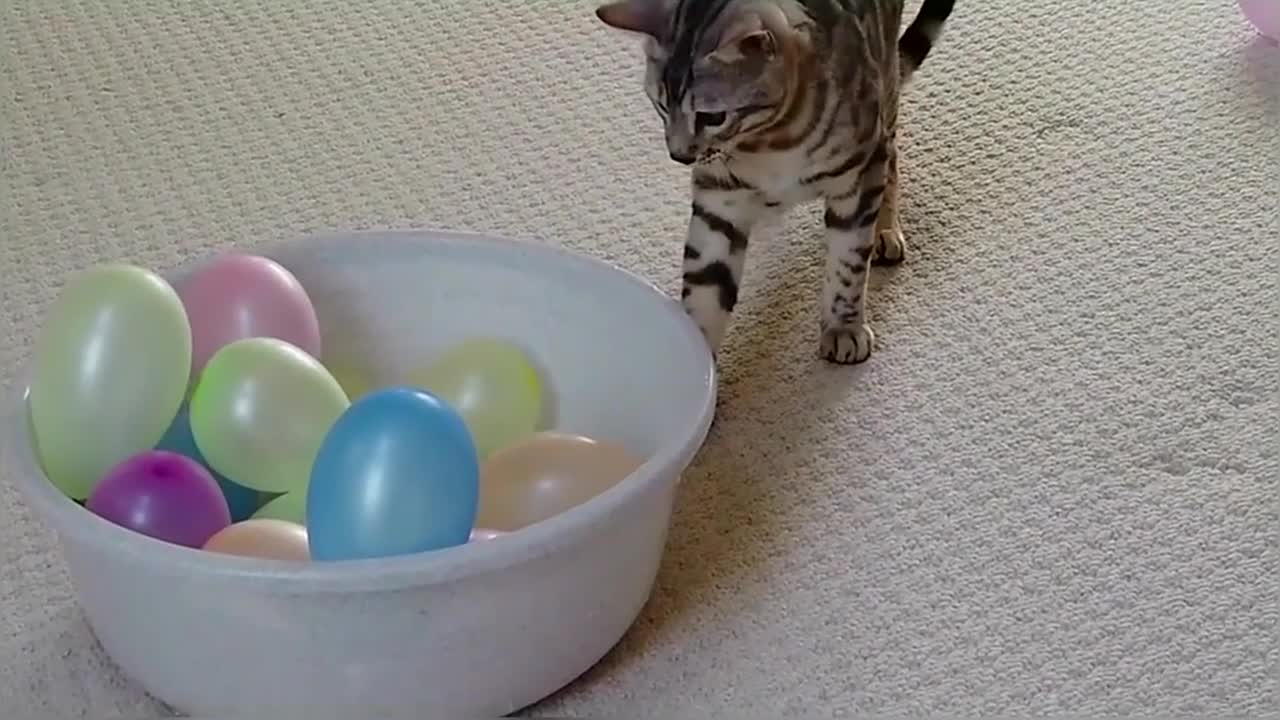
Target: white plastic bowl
478 630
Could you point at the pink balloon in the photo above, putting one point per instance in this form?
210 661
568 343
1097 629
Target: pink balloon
236 296
1264 14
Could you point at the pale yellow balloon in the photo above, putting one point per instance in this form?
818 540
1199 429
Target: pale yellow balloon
262 538
291 507
546 475
355 381
494 386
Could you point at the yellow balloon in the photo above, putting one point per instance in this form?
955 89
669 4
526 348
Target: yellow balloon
355 381
546 475
110 371
494 387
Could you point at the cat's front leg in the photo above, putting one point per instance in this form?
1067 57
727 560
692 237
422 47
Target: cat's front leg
723 212
850 221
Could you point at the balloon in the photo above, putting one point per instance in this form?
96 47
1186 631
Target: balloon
493 385
236 296
289 506
355 381
546 475
1265 16
271 539
164 495
242 501
397 474
260 411
481 534
110 371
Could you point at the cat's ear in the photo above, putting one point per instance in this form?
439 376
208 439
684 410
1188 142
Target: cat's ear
758 44
752 35
642 16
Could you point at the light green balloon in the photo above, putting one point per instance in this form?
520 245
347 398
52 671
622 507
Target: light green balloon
493 385
290 506
110 371
260 410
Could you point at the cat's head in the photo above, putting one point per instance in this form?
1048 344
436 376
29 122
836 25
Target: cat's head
716 70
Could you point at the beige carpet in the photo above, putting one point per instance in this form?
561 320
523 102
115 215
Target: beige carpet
1054 488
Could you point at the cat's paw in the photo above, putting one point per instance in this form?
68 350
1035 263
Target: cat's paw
890 248
710 319
847 345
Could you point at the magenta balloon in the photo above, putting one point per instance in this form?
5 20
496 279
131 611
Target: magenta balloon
163 495
236 296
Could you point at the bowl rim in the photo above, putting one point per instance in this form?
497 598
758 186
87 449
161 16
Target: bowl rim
72 521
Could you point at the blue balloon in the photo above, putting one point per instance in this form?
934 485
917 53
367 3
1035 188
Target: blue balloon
398 473
178 438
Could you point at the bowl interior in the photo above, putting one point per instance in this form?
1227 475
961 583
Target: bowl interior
617 358
621 360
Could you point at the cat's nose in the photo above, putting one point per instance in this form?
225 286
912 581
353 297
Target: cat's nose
682 158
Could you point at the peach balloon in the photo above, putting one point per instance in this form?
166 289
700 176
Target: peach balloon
262 538
545 475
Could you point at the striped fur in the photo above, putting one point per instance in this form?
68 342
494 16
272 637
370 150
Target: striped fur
779 102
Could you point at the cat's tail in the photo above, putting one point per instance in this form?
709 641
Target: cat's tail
922 34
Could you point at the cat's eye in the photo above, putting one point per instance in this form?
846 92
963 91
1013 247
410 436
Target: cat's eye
708 119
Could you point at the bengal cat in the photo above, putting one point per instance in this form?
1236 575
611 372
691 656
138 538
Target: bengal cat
774 103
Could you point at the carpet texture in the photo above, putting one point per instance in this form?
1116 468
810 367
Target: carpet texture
1053 488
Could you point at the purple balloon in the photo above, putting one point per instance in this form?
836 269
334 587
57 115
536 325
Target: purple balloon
163 495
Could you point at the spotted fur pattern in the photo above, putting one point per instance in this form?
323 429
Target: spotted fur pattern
775 103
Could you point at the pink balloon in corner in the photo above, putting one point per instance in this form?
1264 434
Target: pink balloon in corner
236 296
1264 14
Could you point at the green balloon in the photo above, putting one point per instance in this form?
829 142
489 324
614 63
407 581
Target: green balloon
260 410
289 506
110 370
493 385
